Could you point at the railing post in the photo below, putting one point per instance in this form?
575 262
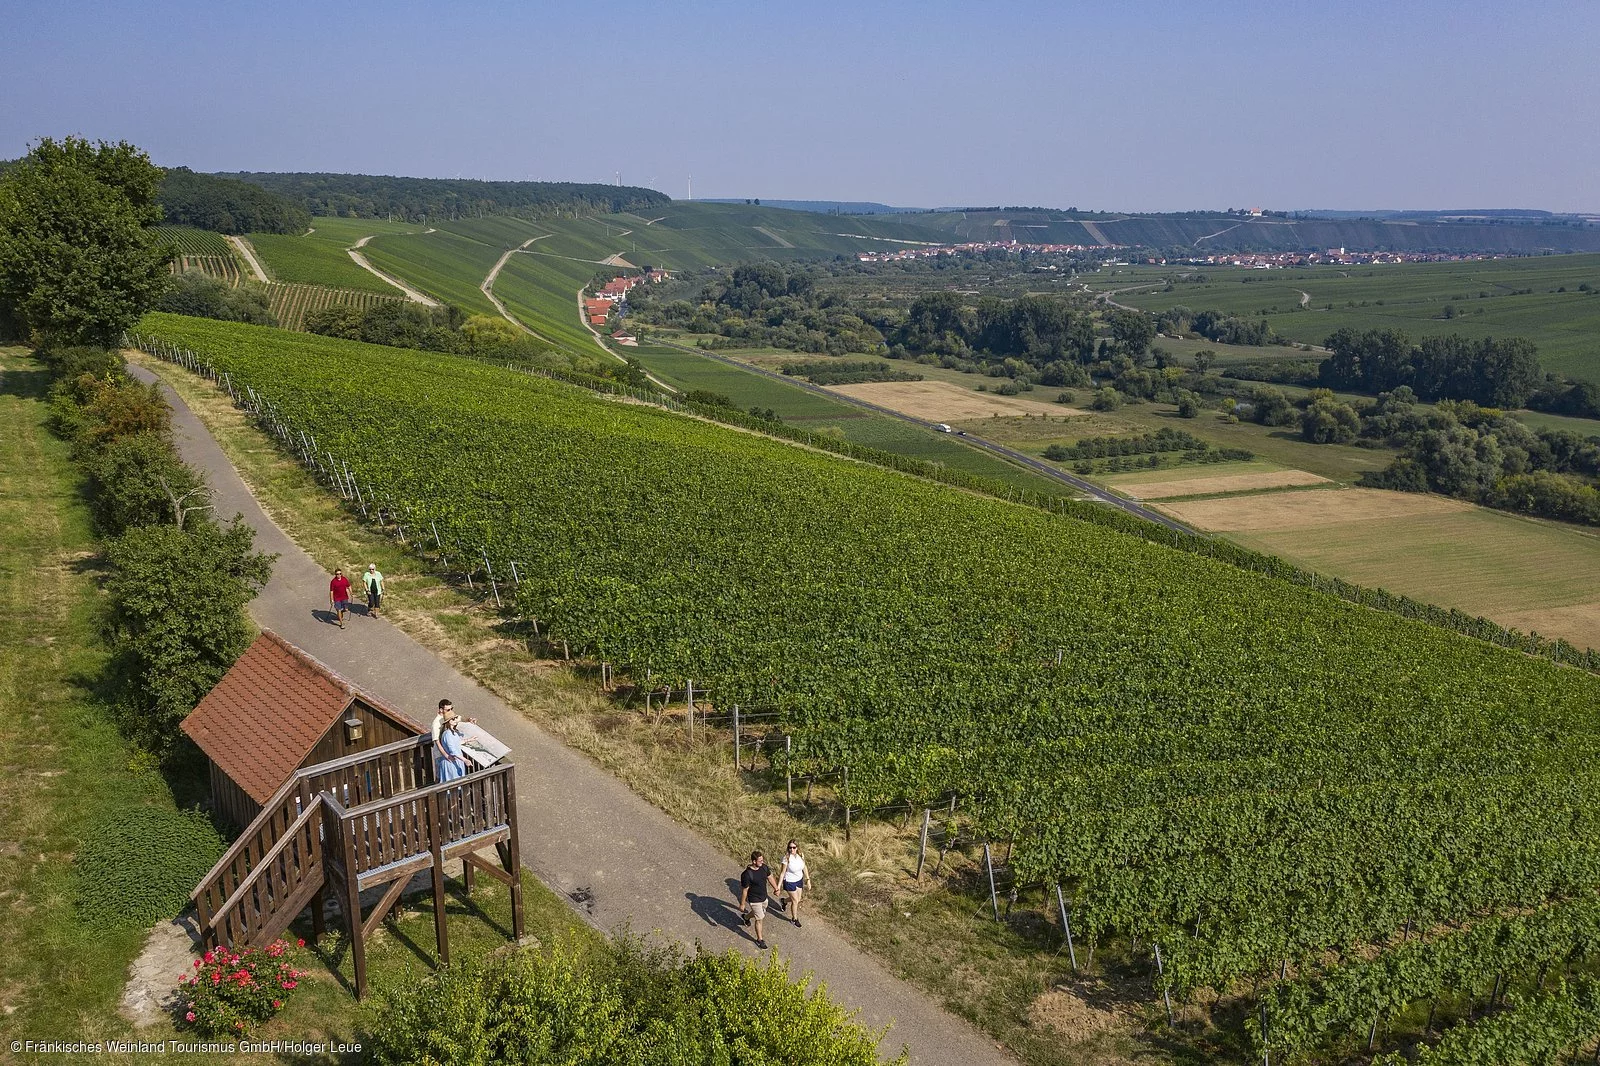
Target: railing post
436 845
515 851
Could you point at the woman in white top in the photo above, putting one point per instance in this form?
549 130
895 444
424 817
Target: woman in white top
795 879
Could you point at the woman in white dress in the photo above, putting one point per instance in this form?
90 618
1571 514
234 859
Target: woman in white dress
795 879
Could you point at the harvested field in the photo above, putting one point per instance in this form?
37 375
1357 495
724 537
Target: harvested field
941 401
1310 510
1203 484
1521 572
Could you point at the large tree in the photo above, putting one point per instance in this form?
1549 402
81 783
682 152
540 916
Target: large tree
79 261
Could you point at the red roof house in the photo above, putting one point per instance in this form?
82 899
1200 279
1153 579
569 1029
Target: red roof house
279 709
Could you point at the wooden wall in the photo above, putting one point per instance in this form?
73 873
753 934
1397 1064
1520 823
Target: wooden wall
233 805
378 729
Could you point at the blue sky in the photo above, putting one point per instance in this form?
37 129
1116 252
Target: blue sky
1139 106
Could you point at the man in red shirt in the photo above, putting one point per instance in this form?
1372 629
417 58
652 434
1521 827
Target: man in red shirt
339 595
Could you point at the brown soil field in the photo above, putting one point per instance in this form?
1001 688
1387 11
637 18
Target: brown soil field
1304 510
940 401
1198 486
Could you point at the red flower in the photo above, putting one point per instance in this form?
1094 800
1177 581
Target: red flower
209 956
300 943
277 1004
197 964
189 1017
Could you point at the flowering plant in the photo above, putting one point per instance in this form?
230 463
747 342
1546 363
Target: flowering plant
230 991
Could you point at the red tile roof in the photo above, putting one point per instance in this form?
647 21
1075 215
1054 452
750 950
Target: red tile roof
269 710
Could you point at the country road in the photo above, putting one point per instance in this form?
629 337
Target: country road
361 261
248 254
1038 466
487 285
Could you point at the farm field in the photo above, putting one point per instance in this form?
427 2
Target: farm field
943 401
808 410
1486 298
1140 731
1213 479
293 302
319 257
1522 572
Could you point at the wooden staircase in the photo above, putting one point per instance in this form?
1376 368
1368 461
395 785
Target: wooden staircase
357 823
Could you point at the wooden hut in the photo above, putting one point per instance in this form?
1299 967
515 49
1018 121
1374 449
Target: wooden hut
277 711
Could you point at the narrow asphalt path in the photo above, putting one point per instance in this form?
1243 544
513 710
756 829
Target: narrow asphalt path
487 285
1038 466
584 833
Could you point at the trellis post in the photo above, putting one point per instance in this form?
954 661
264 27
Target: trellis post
738 764
1066 927
988 866
922 846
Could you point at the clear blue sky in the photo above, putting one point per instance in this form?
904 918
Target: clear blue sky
1136 106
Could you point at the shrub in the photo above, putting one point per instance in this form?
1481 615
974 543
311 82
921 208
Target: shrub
138 866
631 1004
230 991
1106 399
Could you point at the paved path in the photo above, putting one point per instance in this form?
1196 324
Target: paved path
582 829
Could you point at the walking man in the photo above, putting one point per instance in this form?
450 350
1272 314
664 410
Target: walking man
374 581
753 885
339 595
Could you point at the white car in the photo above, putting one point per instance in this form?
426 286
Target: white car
942 428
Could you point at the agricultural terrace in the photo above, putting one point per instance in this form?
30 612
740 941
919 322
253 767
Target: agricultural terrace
1247 772
1553 301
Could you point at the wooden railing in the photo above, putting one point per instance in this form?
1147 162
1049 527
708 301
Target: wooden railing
277 887
391 770
385 833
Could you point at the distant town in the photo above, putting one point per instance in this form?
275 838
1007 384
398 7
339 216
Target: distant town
1254 260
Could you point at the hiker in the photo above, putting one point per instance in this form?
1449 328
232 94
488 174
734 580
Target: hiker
374 582
451 762
753 884
339 595
794 879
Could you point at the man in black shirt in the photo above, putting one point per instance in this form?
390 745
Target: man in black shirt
753 885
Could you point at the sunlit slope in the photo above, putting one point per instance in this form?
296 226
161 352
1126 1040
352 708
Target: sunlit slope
1244 770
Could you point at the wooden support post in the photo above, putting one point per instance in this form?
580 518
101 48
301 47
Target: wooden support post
988 866
441 929
737 763
1066 927
352 910
788 771
513 857
922 848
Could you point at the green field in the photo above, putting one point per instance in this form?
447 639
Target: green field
1487 298
319 258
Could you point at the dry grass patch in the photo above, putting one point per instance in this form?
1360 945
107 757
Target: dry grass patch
1309 510
942 401
1221 483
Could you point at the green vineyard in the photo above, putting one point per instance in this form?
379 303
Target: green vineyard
292 301
1276 789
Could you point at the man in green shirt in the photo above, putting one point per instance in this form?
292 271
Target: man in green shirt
374 582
